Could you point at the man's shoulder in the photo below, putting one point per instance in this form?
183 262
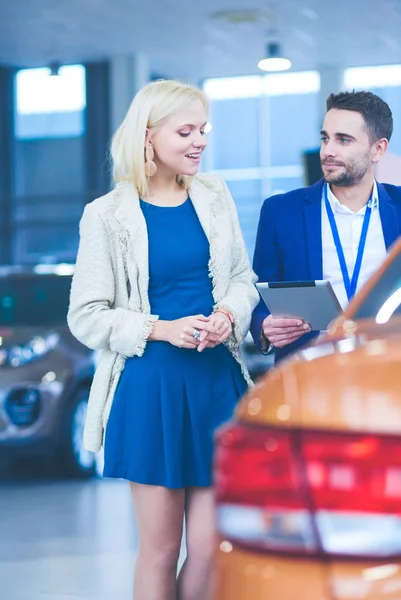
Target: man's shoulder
393 191
293 198
288 196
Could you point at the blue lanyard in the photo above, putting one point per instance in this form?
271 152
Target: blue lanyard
350 285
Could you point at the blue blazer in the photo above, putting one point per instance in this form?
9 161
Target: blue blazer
289 243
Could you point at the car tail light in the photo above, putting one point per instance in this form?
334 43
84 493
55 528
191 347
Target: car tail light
297 492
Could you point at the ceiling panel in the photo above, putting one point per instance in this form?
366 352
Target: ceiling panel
182 39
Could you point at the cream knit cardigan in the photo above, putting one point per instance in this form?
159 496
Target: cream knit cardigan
109 305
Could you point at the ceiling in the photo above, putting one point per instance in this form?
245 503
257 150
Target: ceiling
183 39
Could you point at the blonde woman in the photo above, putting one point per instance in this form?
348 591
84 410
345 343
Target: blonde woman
164 289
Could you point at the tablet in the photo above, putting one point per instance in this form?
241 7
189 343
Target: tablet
313 302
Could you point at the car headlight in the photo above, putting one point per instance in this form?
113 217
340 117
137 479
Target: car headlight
23 406
17 356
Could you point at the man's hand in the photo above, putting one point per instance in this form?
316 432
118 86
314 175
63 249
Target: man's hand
283 331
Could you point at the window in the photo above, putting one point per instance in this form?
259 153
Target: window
258 139
46 295
278 84
50 106
235 133
362 78
228 88
247 194
385 81
291 84
290 135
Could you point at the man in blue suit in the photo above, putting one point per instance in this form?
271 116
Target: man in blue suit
339 229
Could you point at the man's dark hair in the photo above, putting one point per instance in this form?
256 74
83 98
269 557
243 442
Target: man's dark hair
375 112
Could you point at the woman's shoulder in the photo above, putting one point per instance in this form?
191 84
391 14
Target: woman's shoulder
216 184
209 180
104 205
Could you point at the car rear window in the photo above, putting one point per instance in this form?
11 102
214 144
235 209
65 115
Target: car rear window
34 300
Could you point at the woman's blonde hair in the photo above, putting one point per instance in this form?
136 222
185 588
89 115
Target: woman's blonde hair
150 106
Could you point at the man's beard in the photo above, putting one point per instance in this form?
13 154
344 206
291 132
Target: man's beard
351 174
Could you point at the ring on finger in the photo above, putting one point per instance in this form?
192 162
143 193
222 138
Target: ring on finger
196 334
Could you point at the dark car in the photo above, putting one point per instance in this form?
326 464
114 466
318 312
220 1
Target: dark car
45 374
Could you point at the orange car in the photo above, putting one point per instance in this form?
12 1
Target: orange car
308 475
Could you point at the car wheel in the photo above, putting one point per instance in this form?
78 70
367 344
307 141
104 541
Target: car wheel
76 461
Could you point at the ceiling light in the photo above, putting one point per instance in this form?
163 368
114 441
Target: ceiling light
274 60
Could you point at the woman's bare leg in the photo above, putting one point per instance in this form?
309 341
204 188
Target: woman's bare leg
195 578
159 515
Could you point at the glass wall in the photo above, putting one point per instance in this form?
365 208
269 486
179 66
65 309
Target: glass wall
260 127
50 164
385 81
50 106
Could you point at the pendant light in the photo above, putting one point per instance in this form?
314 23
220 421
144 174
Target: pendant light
275 60
54 69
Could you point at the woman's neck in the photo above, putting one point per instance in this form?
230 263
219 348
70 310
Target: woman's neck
165 191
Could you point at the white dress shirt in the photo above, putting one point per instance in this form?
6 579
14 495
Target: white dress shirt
349 225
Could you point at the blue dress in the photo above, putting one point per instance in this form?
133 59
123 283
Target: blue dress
169 402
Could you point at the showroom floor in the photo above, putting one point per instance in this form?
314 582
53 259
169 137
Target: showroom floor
66 540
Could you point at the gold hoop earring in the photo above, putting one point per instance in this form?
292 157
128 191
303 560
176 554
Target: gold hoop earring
150 166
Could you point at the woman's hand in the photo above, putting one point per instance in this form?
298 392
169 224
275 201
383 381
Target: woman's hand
222 329
180 332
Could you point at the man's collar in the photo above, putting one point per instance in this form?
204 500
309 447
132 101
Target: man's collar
338 207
